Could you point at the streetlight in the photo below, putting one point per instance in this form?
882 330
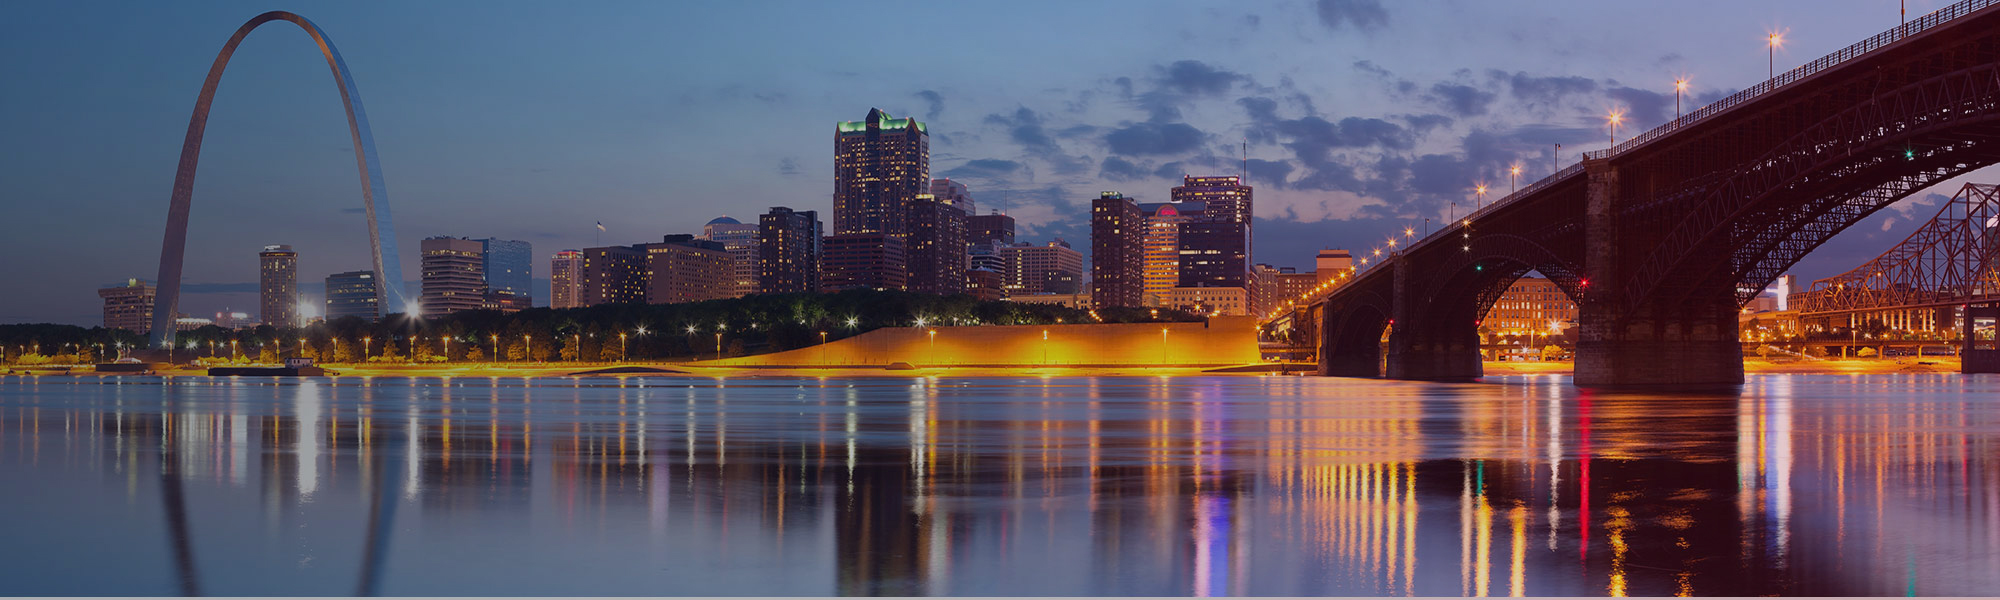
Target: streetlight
718 343
526 341
1045 346
302 348
1513 173
1163 345
1680 85
933 335
1614 117
621 346
447 348
822 348
577 338
495 356
366 341
1481 190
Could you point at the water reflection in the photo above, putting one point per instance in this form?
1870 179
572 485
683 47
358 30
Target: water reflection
1825 485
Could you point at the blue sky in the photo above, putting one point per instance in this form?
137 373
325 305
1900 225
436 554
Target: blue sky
533 120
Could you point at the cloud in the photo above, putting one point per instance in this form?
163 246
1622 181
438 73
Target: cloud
788 166
1153 139
990 168
1362 15
1644 108
354 211
1463 100
1119 169
1544 91
1196 78
936 101
1272 173
219 288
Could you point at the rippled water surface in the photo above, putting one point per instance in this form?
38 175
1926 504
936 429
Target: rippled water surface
1821 485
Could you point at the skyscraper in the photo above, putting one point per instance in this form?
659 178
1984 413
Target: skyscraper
683 269
936 249
278 286
1162 246
128 305
508 265
1031 268
864 261
953 193
1117 265
788 251
566 279
1331 262
1215 250
740 240
880 164
454 275
981 229
613 275
351 294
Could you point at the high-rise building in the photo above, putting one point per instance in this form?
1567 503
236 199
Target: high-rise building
936 249
953 193
1331 262
454 275
352 294
128 305
613 275
1292 285
788 251
740 240
864 261
1162 246
683 269
985 284
1215 251
1117 256
980 229
278 286
880 164
508 265
1031 268
566 279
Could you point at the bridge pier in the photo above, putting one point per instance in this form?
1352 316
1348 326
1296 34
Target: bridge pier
1420 347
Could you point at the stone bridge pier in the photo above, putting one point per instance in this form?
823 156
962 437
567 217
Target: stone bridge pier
1432 342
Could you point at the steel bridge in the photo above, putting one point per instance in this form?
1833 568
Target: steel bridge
1661 238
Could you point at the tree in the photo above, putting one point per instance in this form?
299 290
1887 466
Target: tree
735 348
1866 353
268 354
610 353
517 351
344 350
420 350
474 353
570 350
542 348
1552 352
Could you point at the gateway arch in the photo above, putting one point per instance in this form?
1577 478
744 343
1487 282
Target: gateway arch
381 235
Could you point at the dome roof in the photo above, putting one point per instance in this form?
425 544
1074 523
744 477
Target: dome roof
724 220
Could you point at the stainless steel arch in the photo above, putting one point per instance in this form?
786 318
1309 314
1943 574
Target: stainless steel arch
381 235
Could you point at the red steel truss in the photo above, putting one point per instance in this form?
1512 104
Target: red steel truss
1949 261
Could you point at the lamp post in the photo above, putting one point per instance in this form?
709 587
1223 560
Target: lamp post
577 338
822 348
1680 85
1513 174
366 343
1614 117
1163 345
234 353
1481 191
494 356
718 344
1045 347
621 346
526 341
1776 39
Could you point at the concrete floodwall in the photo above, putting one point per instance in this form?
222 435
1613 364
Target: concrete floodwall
1219 341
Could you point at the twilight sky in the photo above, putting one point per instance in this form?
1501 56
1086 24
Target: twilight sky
533 120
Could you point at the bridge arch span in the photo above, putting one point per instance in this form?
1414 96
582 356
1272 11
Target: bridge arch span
381 234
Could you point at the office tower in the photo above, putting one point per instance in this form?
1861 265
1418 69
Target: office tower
1031 268
1117 257
880 164
936 250
682 268
953 193
352 294
740 239
508 267
454 275
788 251
128 305
1293 284
985 284
613 275
278 286
1215 250
864 261
989 228
1162 246
1263 289
1330 263
566 279
504 301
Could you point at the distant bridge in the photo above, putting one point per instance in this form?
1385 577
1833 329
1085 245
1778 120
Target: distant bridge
1661 238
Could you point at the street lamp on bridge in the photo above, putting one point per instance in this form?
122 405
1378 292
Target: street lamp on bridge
1680 85
1777 38
1614 117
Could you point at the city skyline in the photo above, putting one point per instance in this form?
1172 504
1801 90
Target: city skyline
1116 120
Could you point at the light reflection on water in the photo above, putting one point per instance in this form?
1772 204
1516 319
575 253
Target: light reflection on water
1822 485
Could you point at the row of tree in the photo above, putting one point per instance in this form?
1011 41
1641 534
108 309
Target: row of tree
733 327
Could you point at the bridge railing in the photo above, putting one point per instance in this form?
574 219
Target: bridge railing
1942 16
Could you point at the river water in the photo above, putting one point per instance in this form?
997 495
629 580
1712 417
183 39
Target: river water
1799 484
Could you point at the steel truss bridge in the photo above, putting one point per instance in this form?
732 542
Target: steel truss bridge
1661 238
1923 283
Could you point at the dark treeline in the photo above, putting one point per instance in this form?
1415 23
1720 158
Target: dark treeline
752 324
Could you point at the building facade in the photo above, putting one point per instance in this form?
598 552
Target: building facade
880 164
994 227
1161 247
128 305
789 249
865 261
1532 305
936 248
508 265
954 193
1330 263
1031 269
1215 250
1117 251
352 294
1210 300
454 275
683 269
566 279
740 240
613 275
278 285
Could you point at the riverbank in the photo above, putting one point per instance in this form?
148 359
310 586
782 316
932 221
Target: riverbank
1928 364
